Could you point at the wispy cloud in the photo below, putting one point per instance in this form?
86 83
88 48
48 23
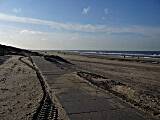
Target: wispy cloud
106 11
26 31
103 18
86 10
17 10
96 28
52 24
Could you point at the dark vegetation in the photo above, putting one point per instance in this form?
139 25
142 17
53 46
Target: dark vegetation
3 59
56 59
8 50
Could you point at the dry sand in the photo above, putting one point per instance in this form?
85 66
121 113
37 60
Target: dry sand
20 90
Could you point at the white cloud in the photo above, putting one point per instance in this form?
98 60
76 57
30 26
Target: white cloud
96 28
32 39
43 39
25 31
17 10
106 11
86 10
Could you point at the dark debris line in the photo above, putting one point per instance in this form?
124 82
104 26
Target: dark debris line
47 109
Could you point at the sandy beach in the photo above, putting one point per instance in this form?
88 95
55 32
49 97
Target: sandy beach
20 90
36 87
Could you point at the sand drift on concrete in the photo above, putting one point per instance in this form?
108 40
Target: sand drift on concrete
123 91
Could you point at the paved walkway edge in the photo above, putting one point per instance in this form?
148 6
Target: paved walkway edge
62 115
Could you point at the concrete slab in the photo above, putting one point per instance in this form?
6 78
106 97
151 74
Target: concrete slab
83 101
127 114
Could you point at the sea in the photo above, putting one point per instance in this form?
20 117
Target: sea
145 54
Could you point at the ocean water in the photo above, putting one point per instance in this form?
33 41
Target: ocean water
152 54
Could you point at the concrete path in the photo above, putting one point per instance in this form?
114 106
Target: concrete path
81 100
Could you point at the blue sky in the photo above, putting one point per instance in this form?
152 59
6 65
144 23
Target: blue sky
81 24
